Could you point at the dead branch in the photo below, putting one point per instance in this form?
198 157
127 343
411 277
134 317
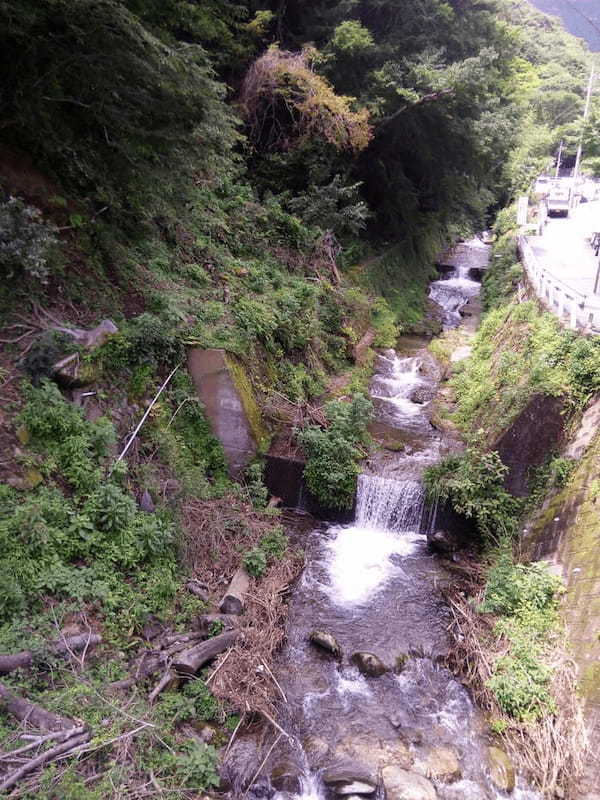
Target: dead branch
168 679
26 711
60 736
70 744
62 647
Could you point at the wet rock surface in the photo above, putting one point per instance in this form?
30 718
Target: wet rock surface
400 784
368 664
502 771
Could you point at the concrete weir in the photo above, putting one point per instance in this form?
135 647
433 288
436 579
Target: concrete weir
226 406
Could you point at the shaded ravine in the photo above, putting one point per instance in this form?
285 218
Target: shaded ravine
374 586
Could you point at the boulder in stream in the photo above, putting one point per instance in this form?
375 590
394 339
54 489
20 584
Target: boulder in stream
502 771
348 777
371 754
369 665
439 764
400 784
325 641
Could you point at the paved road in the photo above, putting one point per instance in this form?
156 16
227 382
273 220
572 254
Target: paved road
564 248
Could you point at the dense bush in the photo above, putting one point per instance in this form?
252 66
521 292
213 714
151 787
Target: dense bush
473 484
87 540
26 242
525 598
333 453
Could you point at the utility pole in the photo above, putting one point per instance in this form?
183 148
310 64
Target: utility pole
559 158
586 114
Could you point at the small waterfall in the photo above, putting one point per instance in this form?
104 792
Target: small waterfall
385 504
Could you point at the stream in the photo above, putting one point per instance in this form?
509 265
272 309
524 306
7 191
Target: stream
374 586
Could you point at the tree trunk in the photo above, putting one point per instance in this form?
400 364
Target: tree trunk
61 647
234 600
190 661
25 711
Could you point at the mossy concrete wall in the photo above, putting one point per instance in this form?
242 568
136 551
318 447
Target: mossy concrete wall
229 403
567 532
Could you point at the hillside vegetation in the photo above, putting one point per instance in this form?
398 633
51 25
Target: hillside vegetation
272 179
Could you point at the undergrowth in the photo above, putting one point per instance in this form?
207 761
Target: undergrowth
333 452
520 351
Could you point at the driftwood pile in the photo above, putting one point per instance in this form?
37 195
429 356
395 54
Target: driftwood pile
51 737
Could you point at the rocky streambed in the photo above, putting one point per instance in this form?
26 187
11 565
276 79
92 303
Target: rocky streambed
370 709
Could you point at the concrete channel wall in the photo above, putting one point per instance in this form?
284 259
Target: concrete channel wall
574 309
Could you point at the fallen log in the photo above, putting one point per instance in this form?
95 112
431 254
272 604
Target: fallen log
62 647
26 711
70 743
235 597
199 589
190 661
148 665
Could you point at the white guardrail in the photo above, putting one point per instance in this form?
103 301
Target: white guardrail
574 309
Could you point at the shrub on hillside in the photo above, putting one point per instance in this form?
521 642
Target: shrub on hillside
26 242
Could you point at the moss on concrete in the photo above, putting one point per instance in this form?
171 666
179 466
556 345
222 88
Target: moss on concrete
248 399
567 530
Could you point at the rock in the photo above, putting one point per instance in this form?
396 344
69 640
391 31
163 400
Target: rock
422 394
373 754
286 777
400 784
207 733
316 748
23 434
502 771
345 776
368 664
442 542
32 478
146 502
326 642
439 764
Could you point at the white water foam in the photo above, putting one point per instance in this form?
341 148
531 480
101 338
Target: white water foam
360 561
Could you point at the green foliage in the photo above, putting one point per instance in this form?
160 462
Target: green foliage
334 452
193 702
271 548
525 598
88 542
473 483
520 351
110 107
274 543
143 341
255 487
336 206
26 242
255 562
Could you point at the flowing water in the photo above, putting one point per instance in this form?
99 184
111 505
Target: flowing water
375 587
